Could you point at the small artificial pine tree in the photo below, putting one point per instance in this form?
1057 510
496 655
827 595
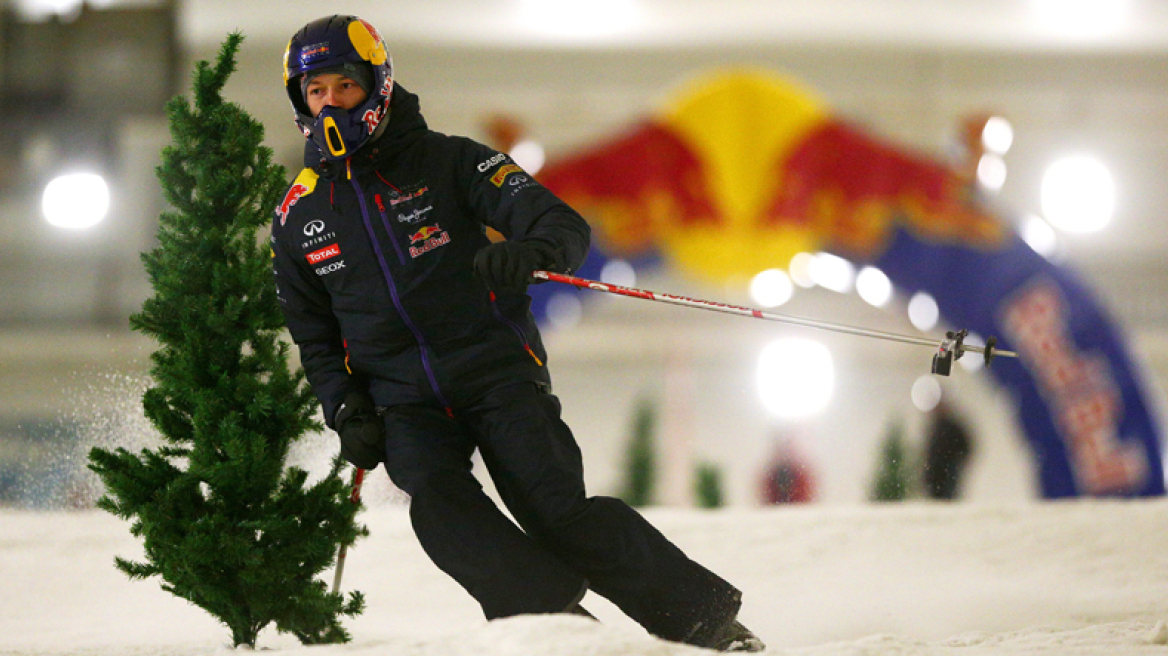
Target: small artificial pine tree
225 525
641 461
708 486
892 474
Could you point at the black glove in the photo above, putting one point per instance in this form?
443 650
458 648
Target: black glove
507 265
362 431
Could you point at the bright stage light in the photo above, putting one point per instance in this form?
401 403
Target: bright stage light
800 270
567 19
832 272
771 288
991 172
1078 194
796 377
997 136
874 286
76 200
529 155
923 311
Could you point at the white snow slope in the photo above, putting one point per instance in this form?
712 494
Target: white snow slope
1083 577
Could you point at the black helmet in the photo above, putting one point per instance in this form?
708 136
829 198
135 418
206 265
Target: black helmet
340 43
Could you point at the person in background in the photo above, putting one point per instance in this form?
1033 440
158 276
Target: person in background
947 451
788 478
415 333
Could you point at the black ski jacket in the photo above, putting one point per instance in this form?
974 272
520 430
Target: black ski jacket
374 255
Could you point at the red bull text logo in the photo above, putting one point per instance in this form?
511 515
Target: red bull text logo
430 237
323 254
1080 389
290 199
408 196
372 117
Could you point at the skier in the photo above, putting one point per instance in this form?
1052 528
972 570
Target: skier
415 333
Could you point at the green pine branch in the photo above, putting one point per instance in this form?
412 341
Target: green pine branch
892 473
225 523
640 457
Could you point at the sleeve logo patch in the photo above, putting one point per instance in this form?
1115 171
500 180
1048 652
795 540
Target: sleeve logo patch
502 174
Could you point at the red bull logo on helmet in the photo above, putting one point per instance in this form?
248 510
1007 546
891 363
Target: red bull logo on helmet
367 42
309 54
429 237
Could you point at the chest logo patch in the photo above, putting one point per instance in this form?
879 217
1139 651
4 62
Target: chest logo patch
407 196
323 254
426 239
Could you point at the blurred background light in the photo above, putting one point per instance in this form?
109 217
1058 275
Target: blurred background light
922 311
572 20
874 286
800 270
926 393
997 136
1078 194
618 272
38 10
529 155
1038 235
1080 18
796 378
771 288
564 310
76 200
972 362
991 172
832 272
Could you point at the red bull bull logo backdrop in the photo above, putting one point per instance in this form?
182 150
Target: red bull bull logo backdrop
741 170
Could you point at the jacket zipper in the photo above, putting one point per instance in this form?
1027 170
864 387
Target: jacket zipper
389 229
423 348
515 327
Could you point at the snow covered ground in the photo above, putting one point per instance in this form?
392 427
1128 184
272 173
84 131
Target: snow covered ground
1087 577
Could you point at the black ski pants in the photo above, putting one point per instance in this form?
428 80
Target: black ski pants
565 542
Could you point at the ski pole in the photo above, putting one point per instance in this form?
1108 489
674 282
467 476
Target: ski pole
354 497
951 348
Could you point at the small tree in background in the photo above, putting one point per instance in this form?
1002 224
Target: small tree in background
708 486
640 458
225 525
892 472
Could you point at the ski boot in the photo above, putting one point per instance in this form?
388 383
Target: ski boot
733 637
